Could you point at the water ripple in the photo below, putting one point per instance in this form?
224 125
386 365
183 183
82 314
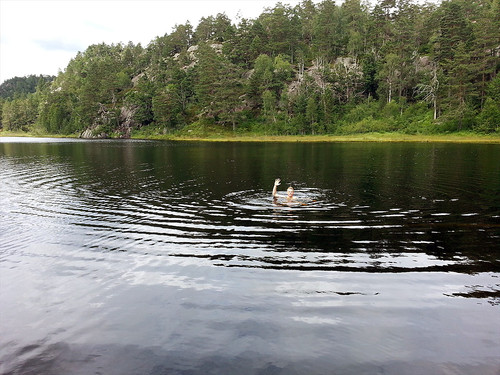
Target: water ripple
114 256
244 228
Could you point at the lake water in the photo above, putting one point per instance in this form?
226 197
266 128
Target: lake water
139 257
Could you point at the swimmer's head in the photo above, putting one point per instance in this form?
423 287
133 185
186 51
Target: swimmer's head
290 192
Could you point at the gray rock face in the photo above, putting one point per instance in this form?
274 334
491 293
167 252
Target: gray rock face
90 133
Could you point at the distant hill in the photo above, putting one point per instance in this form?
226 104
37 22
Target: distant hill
20 86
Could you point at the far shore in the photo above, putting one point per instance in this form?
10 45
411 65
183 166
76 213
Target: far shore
464 137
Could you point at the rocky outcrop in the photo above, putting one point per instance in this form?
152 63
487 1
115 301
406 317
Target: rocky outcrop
315 72
192 54
137 78
93 133
120 126
346 70
102 122
127 121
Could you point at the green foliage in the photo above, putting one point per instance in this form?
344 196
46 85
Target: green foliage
140 102
20 114
216 29
56 114
370 81
203 128
21 86
494 89
368 109
489 119
166 107
219 87
317 67
329 31
368 125
282 27
417 119
269 106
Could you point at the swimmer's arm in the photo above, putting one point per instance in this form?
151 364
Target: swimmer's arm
276 183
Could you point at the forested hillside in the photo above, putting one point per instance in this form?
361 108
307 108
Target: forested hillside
310 69
21 86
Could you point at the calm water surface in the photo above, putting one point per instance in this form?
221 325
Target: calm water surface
130 257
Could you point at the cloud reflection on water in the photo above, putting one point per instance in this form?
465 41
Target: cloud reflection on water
160 257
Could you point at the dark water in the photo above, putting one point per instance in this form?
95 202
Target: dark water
123 257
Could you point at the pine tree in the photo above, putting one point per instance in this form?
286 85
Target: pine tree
389 76
330 37
218 88
269 106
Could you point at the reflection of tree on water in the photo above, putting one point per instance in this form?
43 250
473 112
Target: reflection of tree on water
477 291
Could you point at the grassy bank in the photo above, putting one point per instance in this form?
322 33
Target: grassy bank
464 137
368 137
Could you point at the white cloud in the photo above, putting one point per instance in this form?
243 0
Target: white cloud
41 36
57 45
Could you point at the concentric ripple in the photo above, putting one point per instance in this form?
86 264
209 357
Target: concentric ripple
128 209
113 252
310 199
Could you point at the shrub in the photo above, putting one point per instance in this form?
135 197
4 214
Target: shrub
489 119
368 109
417 119
368 125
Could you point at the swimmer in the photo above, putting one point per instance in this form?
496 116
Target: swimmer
289 192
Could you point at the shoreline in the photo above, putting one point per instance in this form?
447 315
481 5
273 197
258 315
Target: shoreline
352 138
365 137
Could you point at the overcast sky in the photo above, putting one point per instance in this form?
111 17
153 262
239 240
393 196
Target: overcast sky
41 36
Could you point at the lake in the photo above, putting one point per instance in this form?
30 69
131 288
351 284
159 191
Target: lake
145 257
